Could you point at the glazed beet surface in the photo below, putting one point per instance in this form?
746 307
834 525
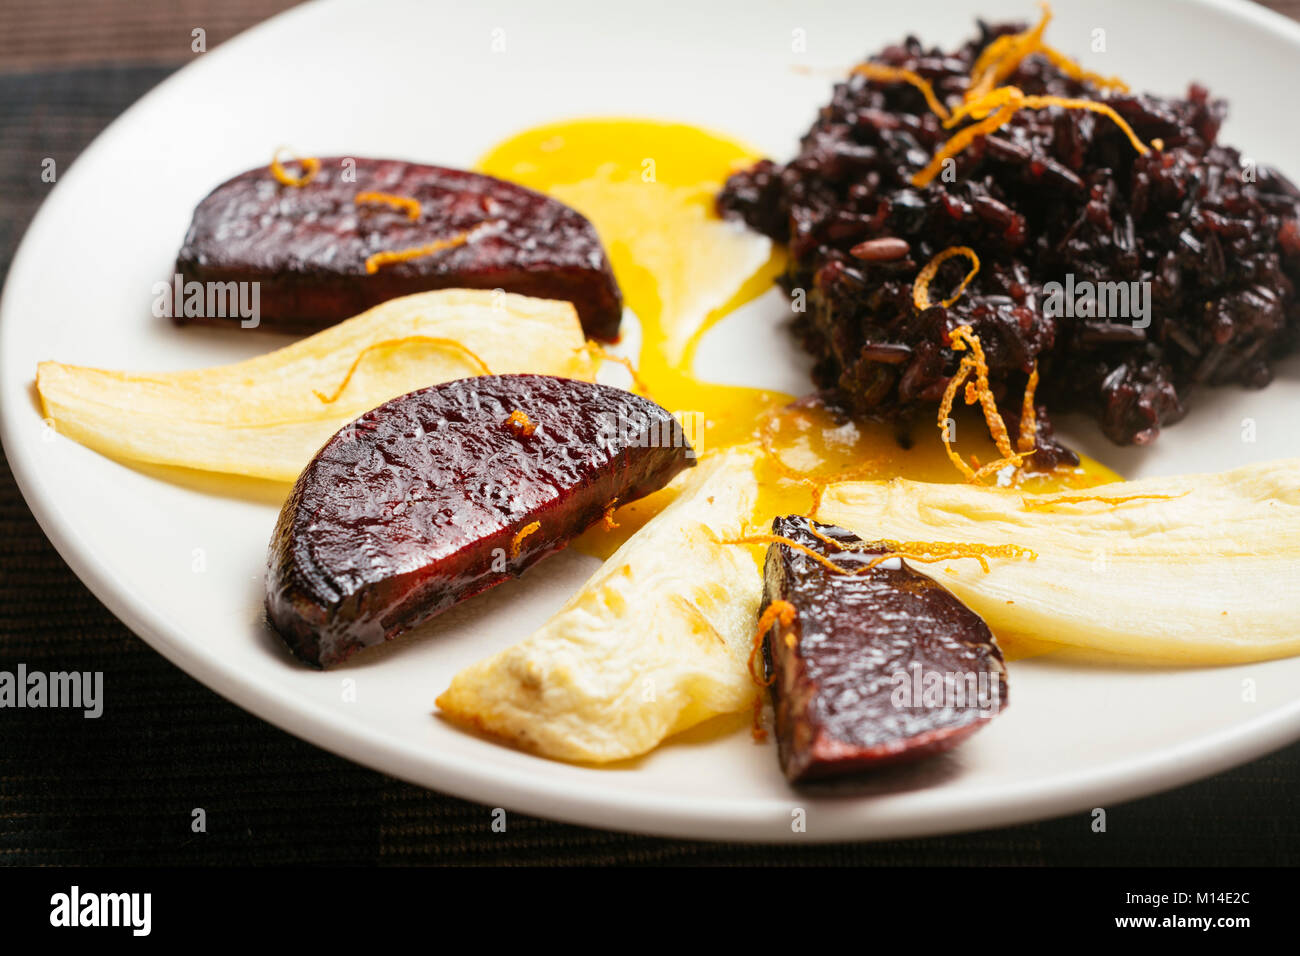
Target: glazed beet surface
841 704
1053 193
307 246
427 500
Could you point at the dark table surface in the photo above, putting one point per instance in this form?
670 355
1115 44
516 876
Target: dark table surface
121 789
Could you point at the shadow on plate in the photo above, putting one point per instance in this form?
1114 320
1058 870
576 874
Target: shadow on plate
923 774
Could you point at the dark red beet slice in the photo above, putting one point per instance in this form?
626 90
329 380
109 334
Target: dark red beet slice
855 691
307 246
421 503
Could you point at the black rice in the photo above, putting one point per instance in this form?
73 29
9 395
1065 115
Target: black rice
1055 193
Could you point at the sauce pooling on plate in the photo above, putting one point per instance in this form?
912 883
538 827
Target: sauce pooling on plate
649 188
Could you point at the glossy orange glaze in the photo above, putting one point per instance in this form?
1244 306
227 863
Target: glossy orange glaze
648 187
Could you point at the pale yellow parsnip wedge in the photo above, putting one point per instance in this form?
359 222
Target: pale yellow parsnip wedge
268 415
656 641
1204 572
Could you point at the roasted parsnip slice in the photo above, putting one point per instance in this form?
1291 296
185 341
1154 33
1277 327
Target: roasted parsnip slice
1193 569
655 642
268 415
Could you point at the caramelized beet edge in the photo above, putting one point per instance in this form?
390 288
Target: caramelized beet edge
415 506
845 694
306 247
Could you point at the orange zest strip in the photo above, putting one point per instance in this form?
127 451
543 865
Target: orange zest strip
995 108
1027 440
519 423
993 104
607 521
818 491
778 611
817 486
791 543
380 259
1031 505
782 612
925 551
400 203
945 416
959 143
878 71
516 543
993 467
929 551
451 344
921 287
928 558
1004 55
1093 106
963 338
827 539
1072 69
601 354
310 167
816 483
990 102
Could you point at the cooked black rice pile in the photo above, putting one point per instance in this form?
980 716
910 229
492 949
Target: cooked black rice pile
1054 192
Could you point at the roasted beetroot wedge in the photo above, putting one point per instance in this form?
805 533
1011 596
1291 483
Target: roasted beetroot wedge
448 491
878 667
308 246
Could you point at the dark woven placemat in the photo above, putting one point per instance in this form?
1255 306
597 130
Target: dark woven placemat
121 789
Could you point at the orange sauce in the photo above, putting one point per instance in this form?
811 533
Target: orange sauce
648 188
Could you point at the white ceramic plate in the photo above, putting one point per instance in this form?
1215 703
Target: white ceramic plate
181 561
